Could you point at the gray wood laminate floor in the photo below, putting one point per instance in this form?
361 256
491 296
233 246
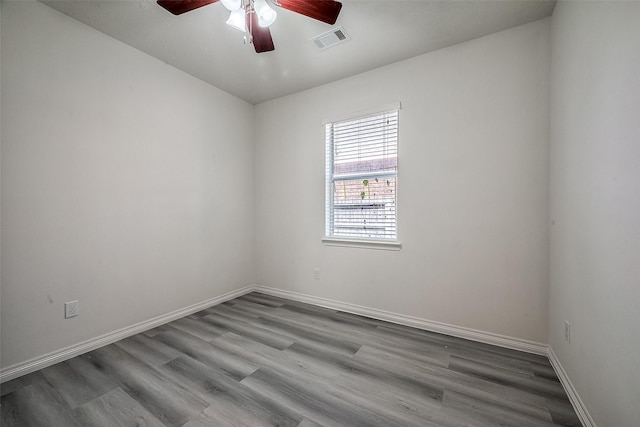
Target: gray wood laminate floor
259 360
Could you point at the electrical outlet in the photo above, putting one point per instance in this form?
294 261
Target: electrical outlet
567 331
71 309
316 273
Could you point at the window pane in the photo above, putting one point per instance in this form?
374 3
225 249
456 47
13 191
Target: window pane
366 144
362 165
365 208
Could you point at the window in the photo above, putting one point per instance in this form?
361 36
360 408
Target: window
361 174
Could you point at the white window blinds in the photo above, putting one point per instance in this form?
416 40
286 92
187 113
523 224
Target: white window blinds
361 170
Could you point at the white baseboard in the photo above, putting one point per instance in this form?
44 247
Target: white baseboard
447 329
57 356
52 358
574 398
415 322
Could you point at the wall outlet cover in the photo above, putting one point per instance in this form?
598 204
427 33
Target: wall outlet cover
71 309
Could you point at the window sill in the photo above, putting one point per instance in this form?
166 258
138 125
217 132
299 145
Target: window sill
386 245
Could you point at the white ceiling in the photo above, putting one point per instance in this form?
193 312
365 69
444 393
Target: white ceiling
381 31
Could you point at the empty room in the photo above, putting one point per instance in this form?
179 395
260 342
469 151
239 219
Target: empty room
320 213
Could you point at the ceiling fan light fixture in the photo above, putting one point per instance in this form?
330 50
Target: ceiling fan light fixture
237 20
258 15
266 15
232 5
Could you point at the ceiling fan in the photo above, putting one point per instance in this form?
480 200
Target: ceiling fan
255 16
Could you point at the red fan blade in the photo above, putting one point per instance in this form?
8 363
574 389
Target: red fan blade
178 7
322 10
262 41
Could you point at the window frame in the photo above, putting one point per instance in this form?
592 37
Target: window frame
355 242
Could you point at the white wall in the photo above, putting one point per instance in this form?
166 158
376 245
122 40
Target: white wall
126 184
473 188
595 204
122 187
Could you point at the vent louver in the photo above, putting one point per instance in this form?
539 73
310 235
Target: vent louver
330 38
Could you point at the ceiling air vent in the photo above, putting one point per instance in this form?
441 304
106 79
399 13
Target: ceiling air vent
330 38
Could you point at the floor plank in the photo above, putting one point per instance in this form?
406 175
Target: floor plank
116 409
260 360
